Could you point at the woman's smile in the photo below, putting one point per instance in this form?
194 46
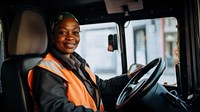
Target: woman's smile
69 45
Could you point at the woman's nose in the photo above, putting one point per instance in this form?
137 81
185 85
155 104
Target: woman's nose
69 35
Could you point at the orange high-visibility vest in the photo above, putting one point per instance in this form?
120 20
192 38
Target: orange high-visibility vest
76 91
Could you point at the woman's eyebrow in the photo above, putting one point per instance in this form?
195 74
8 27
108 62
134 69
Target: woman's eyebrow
67 29
77 28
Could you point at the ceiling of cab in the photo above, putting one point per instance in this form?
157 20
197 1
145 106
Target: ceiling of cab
53 4
88 11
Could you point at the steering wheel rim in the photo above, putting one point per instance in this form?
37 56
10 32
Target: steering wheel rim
135 90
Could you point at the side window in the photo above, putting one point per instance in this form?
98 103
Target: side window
93 48
2 51
152 38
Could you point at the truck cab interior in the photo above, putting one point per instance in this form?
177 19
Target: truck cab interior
162 35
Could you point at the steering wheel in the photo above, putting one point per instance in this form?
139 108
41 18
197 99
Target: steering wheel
134 90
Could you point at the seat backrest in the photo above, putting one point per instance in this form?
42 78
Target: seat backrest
27 43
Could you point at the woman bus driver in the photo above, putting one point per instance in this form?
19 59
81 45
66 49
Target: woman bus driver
62 80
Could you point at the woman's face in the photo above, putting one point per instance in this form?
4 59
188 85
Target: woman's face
66 35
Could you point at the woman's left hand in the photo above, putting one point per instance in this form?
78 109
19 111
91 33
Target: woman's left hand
134 69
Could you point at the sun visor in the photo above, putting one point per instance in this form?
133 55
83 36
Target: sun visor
120 6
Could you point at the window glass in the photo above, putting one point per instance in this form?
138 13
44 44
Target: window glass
152 38
2 52
145 39
93 48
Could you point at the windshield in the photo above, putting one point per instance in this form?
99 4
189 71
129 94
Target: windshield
152 38
145 41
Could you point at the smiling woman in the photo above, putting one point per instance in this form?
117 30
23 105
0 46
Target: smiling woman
62 75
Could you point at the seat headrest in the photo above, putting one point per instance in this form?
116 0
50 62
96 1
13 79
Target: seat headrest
28 34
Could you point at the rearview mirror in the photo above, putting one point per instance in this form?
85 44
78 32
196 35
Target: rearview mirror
112 42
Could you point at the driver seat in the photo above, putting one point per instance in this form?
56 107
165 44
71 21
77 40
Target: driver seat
26 46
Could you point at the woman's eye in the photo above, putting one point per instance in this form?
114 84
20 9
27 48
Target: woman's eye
76 32
62 33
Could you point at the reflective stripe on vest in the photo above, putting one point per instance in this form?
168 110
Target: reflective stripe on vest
80 95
